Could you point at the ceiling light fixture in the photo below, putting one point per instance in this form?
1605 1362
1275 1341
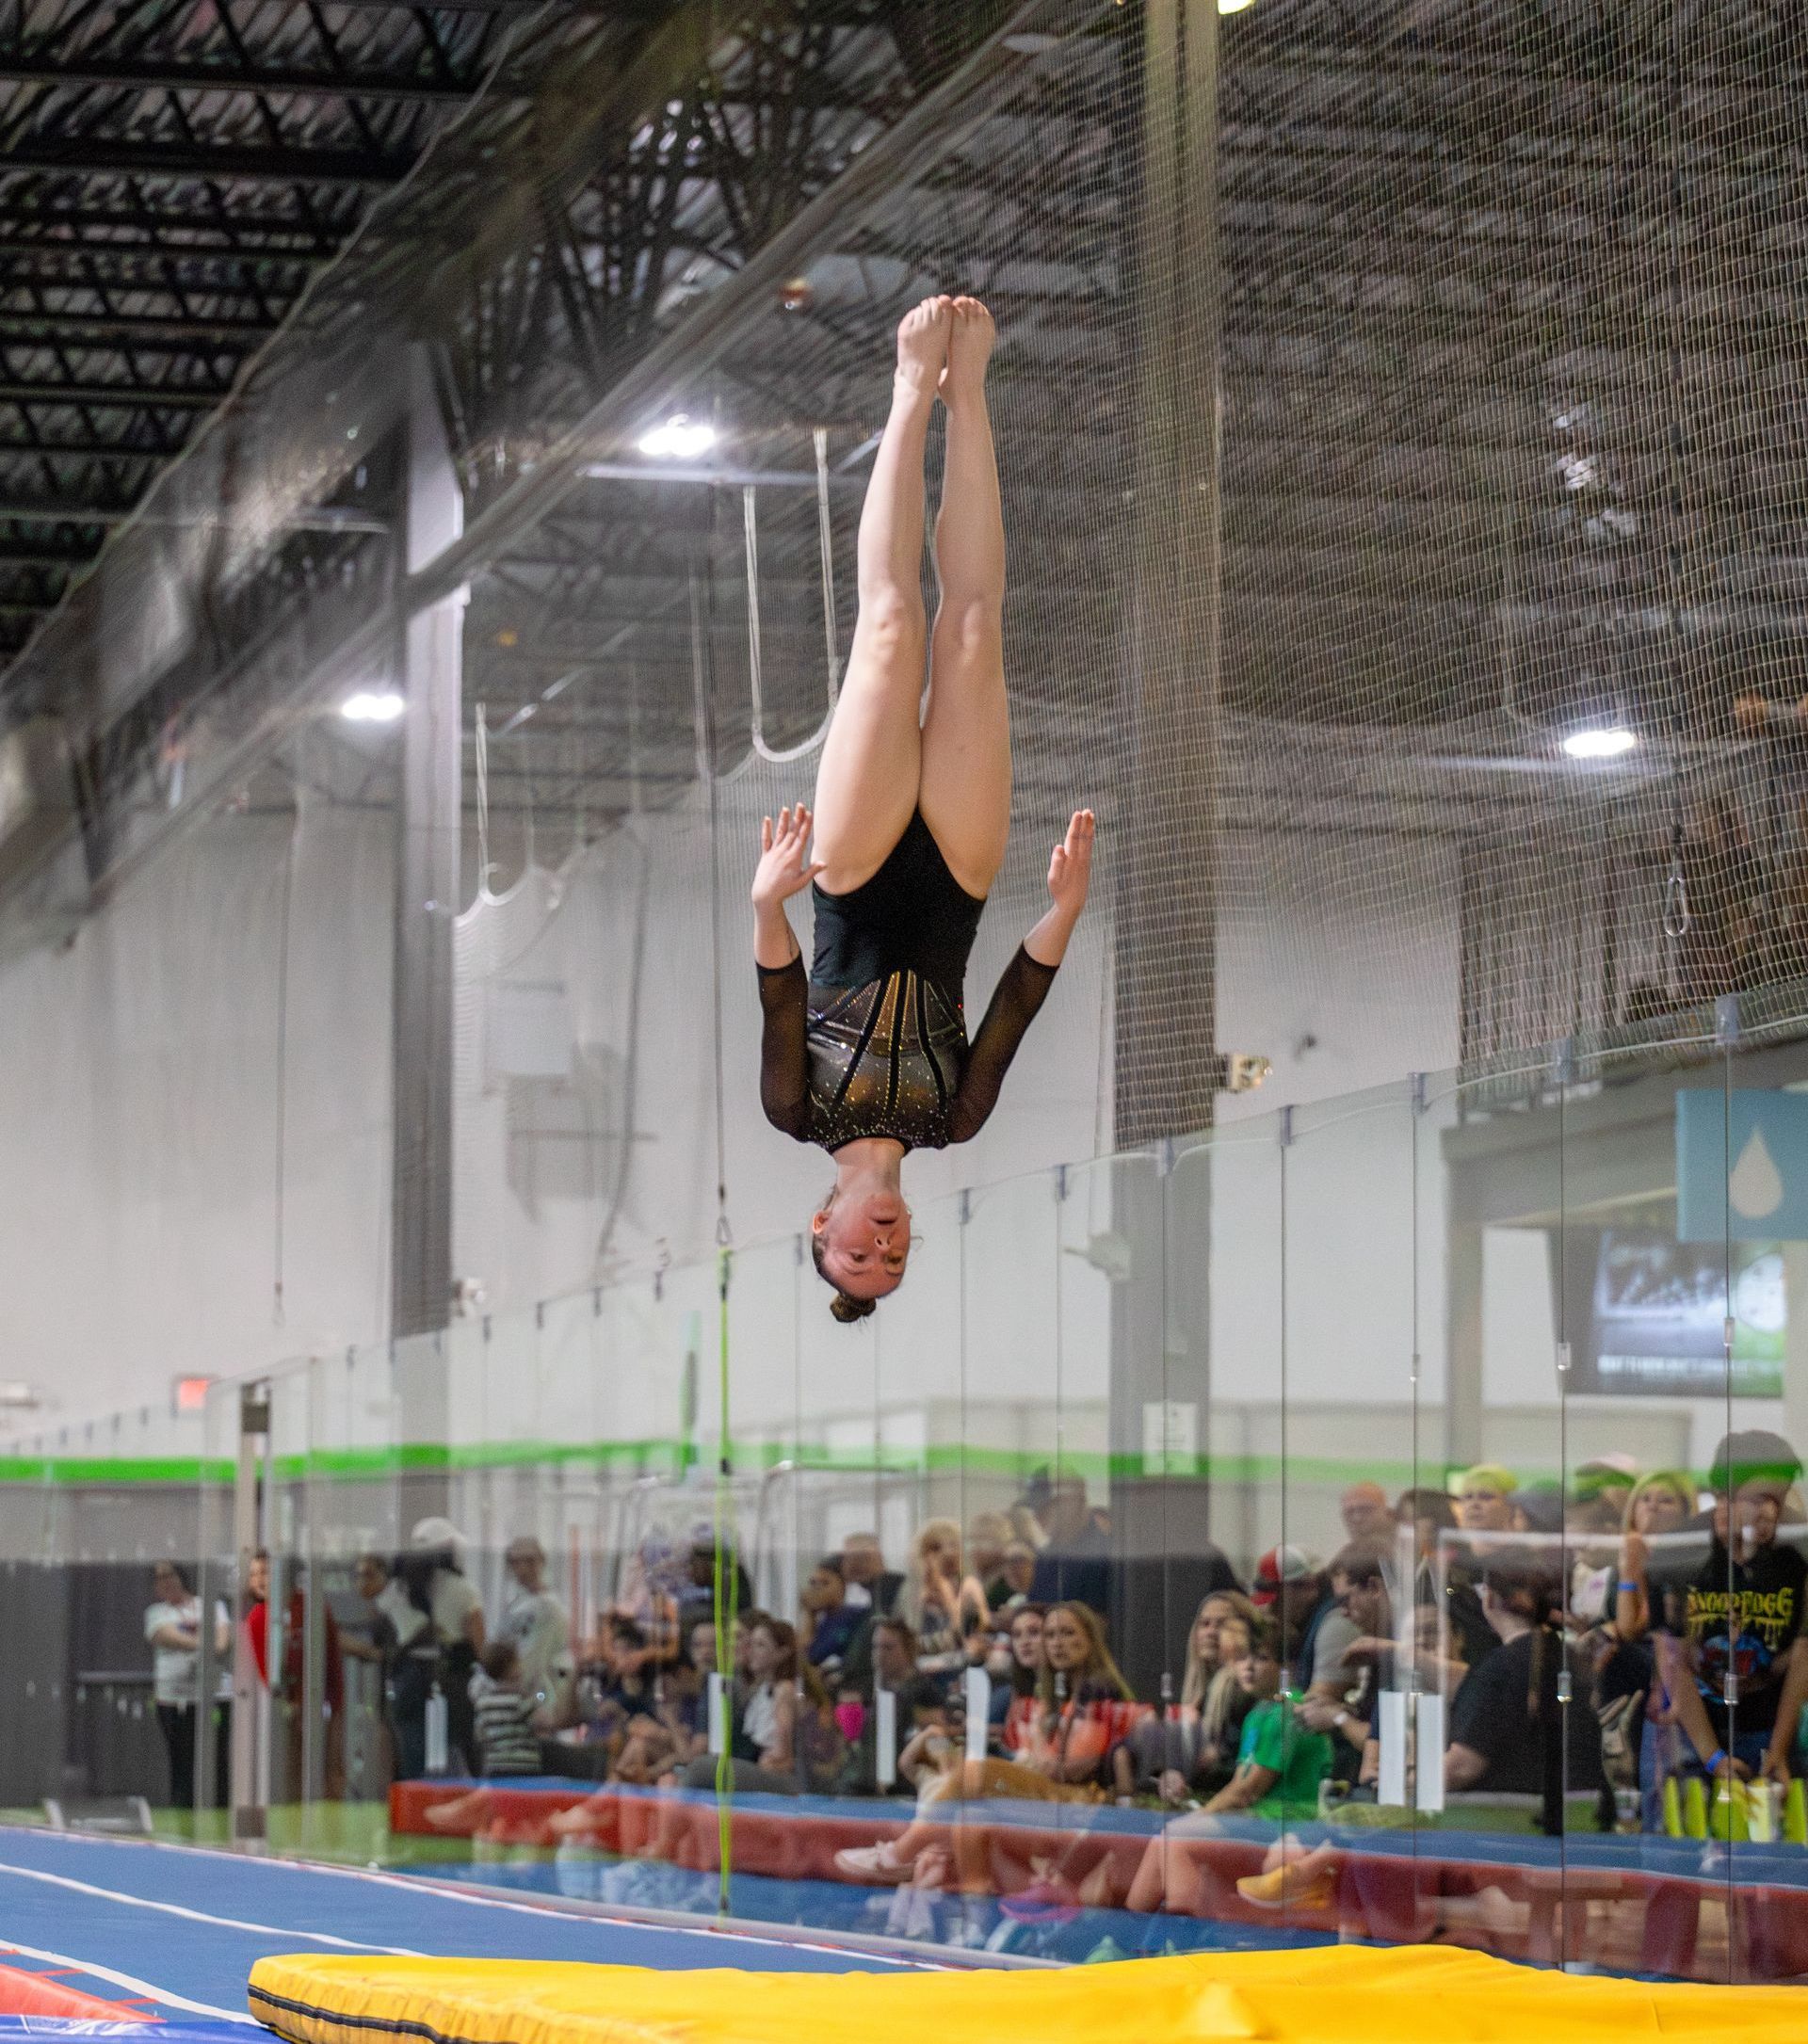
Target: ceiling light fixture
372 706
1600 742
680 439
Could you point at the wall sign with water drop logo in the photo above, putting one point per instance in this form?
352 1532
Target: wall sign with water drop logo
1747 1179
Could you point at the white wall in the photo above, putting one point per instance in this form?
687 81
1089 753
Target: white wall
138 1119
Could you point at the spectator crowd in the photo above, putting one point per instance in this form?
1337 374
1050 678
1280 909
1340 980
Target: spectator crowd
1596 1648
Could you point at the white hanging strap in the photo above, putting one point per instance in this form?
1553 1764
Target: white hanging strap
826 546
483 804
750 529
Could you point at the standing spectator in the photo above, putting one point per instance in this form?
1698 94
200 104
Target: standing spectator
503 1712
1075 1565
1742 1617
1368 1520
1486 1501
373 1641
869 1583
533 1620
172 1627
288 1682
439 1622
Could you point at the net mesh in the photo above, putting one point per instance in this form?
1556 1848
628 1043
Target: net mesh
1387 396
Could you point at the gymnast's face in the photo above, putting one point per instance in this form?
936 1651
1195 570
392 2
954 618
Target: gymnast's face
865 1239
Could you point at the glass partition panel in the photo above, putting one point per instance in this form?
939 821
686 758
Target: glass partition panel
1489 1777
1327 1758
1215 1424
1741 1137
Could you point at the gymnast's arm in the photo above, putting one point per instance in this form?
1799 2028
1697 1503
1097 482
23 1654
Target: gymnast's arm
784 987
1021 992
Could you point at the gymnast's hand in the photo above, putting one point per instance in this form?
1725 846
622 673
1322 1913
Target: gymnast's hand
1069 871
785 867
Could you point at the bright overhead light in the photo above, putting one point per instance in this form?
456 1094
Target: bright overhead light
1234 7
368 706
1600 742
681 438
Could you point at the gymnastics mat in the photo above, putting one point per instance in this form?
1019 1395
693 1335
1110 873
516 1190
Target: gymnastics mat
1422 1994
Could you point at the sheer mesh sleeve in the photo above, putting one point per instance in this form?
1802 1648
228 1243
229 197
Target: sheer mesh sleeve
784 1068
1014 1005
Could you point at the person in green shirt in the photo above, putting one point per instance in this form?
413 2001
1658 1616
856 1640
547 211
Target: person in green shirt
1280 1759
1280 1763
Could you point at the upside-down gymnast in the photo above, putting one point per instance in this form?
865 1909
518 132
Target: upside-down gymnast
867 1054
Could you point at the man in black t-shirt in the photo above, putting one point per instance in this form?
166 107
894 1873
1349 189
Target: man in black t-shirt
1742 1617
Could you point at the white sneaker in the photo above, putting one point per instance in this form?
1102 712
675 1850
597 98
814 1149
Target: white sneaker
875 1864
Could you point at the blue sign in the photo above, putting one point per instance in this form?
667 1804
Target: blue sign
1763 1166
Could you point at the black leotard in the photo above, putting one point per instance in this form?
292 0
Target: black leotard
873 1041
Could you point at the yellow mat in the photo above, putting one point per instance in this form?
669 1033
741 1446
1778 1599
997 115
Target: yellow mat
1340 1995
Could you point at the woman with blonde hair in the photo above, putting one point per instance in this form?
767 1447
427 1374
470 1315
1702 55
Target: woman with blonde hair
1085 1708
943 1607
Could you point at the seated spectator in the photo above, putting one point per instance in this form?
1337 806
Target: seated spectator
1084 1710
763 1752
1023 1680
1191 1749
1355 1575
1344 1706
1289 1591
1509 1731
1017 1575
987 1537
503 1712
696 1599
1280 1764
867 1581
943 1607
829 1620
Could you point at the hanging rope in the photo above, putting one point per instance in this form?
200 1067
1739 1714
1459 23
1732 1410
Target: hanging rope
482 756
756 665
726 1584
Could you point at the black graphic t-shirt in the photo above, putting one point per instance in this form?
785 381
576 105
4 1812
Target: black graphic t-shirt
1743 1619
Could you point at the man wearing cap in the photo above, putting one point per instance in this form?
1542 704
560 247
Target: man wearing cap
533 1620
1742 1618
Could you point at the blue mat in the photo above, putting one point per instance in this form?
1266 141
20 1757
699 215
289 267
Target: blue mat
181 1926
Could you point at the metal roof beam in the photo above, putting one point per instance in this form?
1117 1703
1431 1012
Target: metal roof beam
45 550
78 446
22 326
103 396
105 156
276 80
302 242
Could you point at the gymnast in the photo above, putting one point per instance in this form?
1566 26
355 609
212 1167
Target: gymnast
868 1054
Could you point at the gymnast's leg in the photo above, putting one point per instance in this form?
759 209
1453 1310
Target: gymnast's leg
966 796
872 759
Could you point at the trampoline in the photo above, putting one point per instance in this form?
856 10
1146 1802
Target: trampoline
173 1930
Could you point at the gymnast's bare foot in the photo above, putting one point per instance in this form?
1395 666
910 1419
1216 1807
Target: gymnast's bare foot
923 345
969 350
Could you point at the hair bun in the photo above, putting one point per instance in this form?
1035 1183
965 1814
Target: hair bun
847 1309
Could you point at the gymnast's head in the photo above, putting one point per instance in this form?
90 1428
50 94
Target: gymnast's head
860 1241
